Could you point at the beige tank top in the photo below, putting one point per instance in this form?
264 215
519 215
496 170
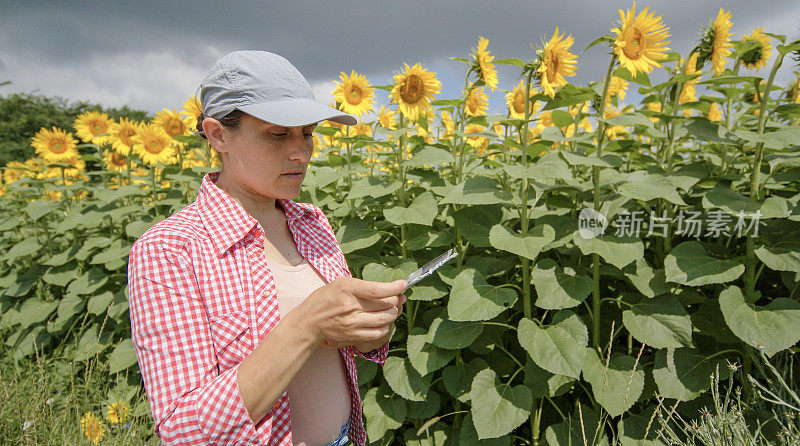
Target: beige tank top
319 395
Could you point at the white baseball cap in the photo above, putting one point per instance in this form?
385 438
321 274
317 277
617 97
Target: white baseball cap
264 85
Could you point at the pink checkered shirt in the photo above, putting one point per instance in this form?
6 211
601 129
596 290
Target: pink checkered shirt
201 299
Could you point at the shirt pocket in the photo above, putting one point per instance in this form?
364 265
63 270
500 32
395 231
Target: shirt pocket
230 332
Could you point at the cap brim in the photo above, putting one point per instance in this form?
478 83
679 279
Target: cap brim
297 113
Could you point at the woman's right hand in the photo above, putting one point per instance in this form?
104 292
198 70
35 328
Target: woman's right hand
349 311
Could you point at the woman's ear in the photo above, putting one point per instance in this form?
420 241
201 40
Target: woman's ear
216 134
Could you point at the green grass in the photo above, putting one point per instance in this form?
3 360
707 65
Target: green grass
42 400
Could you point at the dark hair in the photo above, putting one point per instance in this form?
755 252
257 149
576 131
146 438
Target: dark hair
231 121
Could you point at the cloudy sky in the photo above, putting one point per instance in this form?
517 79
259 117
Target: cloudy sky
152 54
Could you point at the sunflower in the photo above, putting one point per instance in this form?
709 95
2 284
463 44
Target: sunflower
35 166
54 145
617 86
758 56
114 161
483 63
15 170
360 129
448 124
413 90
715 42
640 41
93 127
515 100
122 134
688 94
92 427
117 412
354 93
154 145
714 112
556 63
77 169
477 142
173 123
499 129
613 131
192 109
387 119
477 102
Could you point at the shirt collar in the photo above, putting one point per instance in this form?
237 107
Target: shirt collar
227 221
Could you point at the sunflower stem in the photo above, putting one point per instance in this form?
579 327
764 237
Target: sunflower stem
596 182
728 119
755 186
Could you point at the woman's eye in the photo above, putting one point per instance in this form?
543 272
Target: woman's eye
309 135
279 134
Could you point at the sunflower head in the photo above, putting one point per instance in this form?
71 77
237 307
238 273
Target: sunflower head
477 102
477 142
715 43
482 63
54 145
714 112
192 109
448 124
386 118
173 123
92 427
354 93
617 87
555 63
756 58
122 134
640 41
688 93
413 90
115 161
118 412
15 170
93 127
154 145
515 100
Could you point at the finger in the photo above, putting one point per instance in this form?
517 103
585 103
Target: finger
376 290
385 303
372 334
376 319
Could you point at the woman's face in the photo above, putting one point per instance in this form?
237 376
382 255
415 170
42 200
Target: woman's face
268 159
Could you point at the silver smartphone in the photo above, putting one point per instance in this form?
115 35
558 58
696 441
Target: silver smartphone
430 267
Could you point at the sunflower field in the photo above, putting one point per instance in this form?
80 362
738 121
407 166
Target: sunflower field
620 265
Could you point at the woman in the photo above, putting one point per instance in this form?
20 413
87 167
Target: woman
243 310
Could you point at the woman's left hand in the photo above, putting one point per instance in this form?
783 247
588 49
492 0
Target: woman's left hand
365 347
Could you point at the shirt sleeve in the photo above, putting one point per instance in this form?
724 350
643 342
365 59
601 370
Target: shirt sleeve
192 403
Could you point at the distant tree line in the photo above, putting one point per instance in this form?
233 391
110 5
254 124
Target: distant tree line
23 114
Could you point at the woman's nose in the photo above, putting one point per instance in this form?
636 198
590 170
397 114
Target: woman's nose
300 149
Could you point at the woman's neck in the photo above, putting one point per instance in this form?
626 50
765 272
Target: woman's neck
258 206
